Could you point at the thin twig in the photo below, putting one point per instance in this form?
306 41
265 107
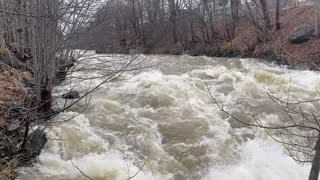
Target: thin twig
84 174
139 169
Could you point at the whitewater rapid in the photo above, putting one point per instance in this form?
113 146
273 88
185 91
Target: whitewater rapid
164 118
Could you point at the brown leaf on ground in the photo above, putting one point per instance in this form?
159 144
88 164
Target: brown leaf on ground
11 89
291 20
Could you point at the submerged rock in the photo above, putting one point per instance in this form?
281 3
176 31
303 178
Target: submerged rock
301 36
71 95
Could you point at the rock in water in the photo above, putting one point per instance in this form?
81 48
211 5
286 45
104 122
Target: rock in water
37 141
301 36
71 95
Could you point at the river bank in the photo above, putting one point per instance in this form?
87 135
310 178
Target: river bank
19 143
274 45
248 43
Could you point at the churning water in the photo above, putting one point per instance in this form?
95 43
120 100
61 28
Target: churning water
164 117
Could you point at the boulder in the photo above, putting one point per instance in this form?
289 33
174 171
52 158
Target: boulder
14 126
301 36
37 141
12 61
71 95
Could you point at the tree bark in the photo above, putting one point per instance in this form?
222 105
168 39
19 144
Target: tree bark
317 17
134 23
235 9
278 25
265 13
315 168
173 19
211 21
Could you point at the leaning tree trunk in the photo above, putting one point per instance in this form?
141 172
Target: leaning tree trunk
315 168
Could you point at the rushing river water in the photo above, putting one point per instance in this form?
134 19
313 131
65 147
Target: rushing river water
164 117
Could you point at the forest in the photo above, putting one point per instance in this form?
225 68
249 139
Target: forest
257 28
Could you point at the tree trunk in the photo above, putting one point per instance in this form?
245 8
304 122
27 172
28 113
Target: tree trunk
211 21
295 3
173 19
156 11
278 26
134 23
317 17
314 172
235 9
265 13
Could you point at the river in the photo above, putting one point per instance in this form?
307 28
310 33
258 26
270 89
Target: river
162 118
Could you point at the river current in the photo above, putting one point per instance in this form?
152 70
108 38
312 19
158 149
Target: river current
163 120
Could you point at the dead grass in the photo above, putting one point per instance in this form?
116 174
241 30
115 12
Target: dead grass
291 20
11 88
7 171
278 41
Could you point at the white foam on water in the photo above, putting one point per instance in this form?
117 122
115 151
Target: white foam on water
172 119
109 166
85 150
261 160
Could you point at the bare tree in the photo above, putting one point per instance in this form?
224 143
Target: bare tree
43 29
278 25
173 19
264 7
299 132
209 12
235 7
